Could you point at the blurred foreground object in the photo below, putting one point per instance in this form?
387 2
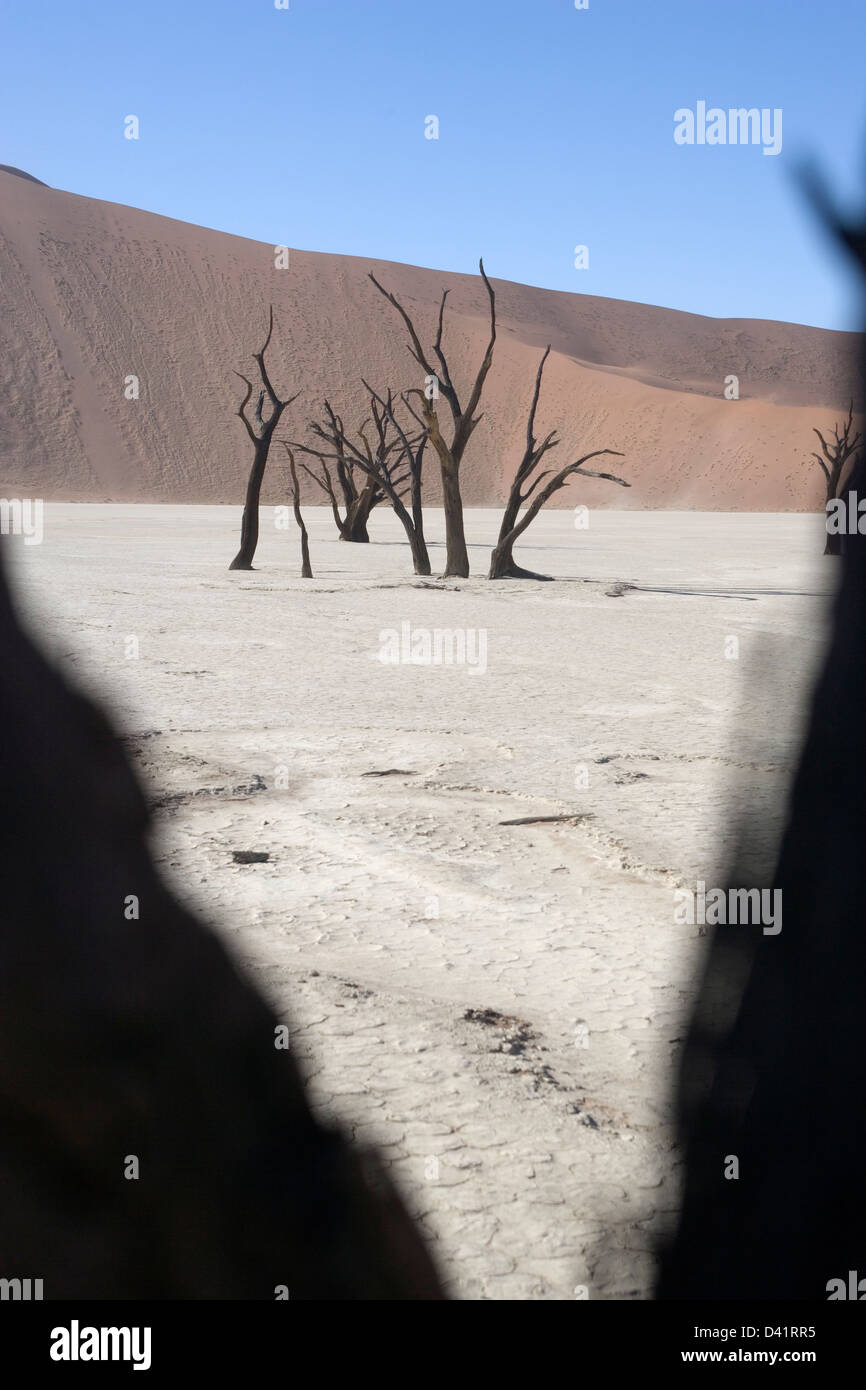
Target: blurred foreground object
774 1070
138 1039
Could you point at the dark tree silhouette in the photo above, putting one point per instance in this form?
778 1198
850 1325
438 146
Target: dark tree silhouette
391 461
306 568
261 432
502 564
358 502
844 447
411 454
449 451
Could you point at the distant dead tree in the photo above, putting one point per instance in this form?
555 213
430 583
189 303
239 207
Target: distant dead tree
844 446
412 455
449 451
391 461
261 432
306 569
358 502
502 564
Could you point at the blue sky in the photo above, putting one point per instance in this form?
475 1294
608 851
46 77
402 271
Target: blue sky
305 127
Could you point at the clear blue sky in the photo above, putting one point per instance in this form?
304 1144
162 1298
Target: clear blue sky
306 128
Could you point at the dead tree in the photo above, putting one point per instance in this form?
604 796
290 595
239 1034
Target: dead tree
261 432
306 569
358 502
502 564
326 483
449 451
391 462
412 454
844 446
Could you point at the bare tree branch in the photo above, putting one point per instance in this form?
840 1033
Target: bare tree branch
466 423
261 437
502 565
242 408
449 451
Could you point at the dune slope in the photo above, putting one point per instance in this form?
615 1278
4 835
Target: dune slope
92 293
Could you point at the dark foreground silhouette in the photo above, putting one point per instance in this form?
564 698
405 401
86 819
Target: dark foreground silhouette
774 1071
137 1039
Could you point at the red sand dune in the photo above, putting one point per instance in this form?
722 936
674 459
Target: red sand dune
92 292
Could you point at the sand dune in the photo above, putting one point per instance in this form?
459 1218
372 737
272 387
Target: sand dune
93 292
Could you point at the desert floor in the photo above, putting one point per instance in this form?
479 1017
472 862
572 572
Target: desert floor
497 1007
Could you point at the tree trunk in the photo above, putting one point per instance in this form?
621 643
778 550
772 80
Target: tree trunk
357 516
509 519
420 558
415 537
250 521
834 542
306 567
418 542
502 564
501 559
338 520
456 554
